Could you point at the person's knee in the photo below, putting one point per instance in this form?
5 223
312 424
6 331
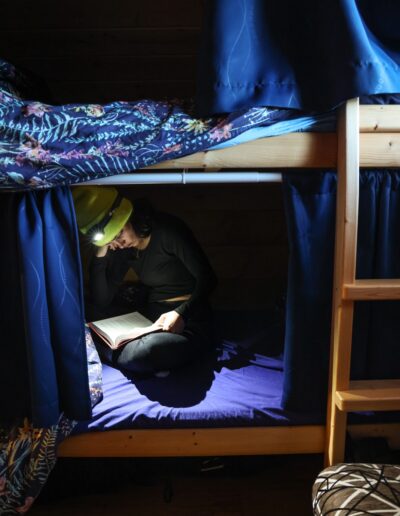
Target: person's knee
155 352
135 356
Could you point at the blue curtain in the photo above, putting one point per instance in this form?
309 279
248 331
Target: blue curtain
310 200
45 366
305 55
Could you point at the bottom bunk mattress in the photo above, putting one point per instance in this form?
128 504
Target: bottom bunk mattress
238 385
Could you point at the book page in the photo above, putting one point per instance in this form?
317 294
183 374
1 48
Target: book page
121 325
137 332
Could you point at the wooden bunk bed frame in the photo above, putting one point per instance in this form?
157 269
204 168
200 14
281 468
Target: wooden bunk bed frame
367 136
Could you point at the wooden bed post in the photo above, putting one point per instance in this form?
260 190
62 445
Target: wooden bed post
346 395
344 272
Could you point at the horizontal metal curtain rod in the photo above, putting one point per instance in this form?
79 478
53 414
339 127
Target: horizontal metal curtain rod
185 177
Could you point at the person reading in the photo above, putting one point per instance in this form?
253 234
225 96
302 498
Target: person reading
168 262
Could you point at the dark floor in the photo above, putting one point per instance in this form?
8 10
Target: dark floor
227 486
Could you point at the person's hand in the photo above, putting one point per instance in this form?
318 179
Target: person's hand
171 321
101 251
115 245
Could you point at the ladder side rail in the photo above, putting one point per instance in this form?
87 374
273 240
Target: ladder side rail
344 272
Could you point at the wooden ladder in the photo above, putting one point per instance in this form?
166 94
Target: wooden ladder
345 395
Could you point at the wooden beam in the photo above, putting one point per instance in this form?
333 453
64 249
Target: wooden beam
185 442
380 150
345 238
344 272
379 119
295 150
372 289
370 395
196 442
309 150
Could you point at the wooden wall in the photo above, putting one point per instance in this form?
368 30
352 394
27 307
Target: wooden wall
242 230
99 51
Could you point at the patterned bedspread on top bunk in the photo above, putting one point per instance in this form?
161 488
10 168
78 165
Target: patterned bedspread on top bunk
43 145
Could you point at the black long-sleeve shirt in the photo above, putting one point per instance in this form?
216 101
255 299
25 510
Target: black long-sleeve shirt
173 264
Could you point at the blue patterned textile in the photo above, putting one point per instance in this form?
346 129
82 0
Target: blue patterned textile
28 454
43 146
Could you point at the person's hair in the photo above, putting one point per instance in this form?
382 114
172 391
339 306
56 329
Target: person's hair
142 217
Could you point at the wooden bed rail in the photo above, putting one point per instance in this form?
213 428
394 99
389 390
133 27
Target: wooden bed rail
379 147
379 119
205 442
196 442
295 150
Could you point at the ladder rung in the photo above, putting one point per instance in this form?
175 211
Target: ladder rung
372 289
370 395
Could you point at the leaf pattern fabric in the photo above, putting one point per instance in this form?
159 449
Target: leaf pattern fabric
28 454
43 146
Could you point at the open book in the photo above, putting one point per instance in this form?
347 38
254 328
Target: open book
117 331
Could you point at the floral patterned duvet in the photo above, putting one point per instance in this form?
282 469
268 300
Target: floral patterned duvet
42 145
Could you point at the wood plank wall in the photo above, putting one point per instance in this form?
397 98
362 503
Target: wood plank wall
242 230
92 51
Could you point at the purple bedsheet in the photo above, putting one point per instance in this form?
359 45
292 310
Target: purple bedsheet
238 389
239 385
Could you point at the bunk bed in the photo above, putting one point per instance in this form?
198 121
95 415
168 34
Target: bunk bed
379 147
367 137
377 131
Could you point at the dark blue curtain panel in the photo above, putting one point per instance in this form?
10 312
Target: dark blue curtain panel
377 343
310 203
43 261
309 54
310 199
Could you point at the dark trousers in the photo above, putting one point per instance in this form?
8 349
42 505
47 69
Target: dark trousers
164 351
158 351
